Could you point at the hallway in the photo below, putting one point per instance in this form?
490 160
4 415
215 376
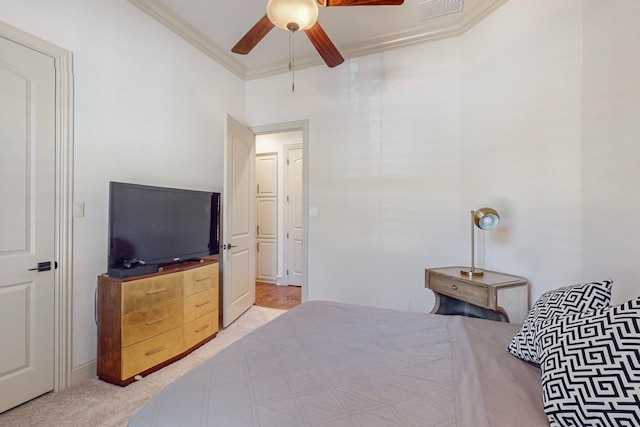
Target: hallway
275 296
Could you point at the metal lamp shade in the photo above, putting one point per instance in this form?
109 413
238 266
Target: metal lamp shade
486 218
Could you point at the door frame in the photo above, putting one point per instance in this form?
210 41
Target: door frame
302 125
63 221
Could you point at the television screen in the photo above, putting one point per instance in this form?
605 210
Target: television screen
156 225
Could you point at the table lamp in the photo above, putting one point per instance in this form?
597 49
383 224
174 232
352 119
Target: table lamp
484 219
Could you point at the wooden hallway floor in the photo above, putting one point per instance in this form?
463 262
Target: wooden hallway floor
275 296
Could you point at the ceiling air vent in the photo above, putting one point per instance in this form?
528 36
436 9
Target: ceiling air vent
434 8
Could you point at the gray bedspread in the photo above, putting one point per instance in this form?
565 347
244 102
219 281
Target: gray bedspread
332 364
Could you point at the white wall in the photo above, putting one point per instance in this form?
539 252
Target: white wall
149 108
611 144
404 143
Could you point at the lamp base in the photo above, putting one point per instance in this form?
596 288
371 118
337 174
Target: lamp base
476 272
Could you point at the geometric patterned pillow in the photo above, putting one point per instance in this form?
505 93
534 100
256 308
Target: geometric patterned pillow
558 302
591 367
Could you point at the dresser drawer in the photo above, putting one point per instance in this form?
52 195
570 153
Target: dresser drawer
146 354
140 295
141 325
476 294
200 329
200 304
199 279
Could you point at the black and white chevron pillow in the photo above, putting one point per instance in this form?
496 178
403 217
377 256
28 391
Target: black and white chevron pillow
590 366
558 302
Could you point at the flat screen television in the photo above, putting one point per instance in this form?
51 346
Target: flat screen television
154 226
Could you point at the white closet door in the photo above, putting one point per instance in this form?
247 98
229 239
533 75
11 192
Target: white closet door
266 269
267 218
267 175
27 191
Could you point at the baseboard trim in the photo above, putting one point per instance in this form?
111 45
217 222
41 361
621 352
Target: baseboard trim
83 373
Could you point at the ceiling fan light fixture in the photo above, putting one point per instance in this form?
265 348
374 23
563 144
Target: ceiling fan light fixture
293 14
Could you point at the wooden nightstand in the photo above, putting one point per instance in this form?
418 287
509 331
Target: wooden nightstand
494 295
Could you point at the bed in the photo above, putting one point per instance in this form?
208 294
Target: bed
332 364
575 361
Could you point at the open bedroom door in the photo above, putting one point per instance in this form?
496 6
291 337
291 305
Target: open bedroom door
238 256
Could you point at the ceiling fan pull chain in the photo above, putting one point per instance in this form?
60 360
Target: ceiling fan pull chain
292 60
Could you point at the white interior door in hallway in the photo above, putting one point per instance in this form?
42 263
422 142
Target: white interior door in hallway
267 217
293 215
27 223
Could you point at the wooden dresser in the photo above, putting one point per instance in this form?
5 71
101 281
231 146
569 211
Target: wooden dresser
148 322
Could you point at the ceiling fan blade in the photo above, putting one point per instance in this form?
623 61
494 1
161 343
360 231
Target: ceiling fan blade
253 36
331 3
324 45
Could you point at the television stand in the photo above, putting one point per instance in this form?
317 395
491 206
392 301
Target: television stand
147 322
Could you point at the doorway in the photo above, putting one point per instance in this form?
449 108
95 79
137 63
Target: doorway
286 254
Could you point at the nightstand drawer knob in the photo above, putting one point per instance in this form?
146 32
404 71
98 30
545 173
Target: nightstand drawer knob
455 288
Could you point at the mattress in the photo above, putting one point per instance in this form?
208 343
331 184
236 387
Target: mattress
331 364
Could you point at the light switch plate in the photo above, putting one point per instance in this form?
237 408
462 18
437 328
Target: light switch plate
78 209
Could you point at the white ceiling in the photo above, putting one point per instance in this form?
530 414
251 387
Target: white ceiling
214 26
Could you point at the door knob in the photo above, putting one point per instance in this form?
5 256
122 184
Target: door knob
43 266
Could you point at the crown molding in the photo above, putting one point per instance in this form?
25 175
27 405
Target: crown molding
170 19
442 27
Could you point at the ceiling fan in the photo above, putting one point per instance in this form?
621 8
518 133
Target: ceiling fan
296 15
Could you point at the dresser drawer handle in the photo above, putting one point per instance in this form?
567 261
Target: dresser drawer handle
455 287
157 350
203 279
156 321
202 305
202 329
157 291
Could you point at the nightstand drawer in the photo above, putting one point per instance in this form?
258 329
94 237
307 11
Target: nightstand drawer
476 294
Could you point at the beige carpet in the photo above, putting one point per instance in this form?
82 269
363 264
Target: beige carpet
96 403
